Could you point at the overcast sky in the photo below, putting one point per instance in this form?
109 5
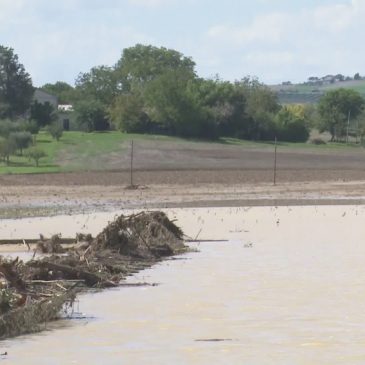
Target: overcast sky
275 40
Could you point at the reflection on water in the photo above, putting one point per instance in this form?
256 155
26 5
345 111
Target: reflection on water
295 296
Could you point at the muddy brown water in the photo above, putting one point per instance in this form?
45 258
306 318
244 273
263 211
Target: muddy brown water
287 288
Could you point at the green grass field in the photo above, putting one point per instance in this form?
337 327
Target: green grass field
78 151
71 151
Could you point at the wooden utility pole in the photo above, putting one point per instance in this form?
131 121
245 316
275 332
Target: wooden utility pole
275 160
348 126
132 184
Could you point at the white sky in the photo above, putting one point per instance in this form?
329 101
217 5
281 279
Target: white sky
275 40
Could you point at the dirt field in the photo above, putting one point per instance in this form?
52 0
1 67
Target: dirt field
235 177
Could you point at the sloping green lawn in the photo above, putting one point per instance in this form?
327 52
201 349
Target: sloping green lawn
78 151
73 151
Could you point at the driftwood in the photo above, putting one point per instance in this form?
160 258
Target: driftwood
8 269
69 272
36 291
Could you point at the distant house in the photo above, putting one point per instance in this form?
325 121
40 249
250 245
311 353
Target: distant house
64 114
64 110
328 79
42 97
313 80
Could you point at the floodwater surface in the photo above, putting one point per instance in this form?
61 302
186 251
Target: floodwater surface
288 287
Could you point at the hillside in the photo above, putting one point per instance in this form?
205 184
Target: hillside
310 94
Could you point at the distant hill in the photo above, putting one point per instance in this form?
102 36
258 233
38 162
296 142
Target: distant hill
307 93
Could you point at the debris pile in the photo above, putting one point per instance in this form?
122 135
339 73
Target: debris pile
34 292
53 245
144 236
25 304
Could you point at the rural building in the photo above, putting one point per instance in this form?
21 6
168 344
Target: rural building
64 115
64 110
42 97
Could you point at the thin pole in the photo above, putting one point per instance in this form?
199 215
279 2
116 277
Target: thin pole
132 164
348 126
275 160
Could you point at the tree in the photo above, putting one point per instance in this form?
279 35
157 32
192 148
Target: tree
7 127
357 76
153 92
99 83
16 90
334 109
141 64
55 130
35 153
42 113
7 148
95 93
22 140
261 108
30 126
129 114
225 103
291 126
65 93
91 115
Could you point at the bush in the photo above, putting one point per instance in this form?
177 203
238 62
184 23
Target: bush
318 141
7 127
55 130
36 153
30 126
21 140
7 148
295 131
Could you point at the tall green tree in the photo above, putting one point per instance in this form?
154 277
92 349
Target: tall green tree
226 105
174 103
91 115
153 91
95 93
42 113
336 107
261 108
291 126
99 83
65 93
129 113
16 88
141 64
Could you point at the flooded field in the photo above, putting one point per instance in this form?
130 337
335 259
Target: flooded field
287 287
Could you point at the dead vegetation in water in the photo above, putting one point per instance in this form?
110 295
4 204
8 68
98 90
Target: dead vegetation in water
35 291
53 245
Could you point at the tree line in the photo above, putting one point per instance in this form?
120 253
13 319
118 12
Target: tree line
157 90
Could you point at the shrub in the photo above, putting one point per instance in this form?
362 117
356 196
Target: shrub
7 148
317 141
21 140
36 153
30 126
7 127
294 131
55 130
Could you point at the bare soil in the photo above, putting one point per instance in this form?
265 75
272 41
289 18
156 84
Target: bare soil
217 176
